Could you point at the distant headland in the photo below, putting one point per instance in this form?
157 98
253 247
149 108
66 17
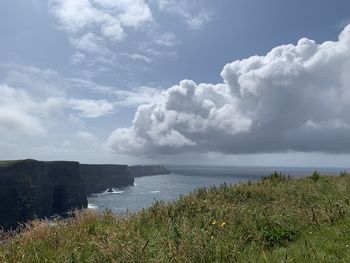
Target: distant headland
37 189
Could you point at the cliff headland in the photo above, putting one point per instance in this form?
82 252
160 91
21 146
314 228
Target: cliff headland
99 177
146 170
32 189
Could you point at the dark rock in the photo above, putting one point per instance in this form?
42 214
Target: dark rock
33 189
145 170
99 177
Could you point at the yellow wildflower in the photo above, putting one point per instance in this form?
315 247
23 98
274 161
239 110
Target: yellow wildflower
223 224
214 222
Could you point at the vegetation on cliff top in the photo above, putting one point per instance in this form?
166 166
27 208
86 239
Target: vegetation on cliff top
274 220
7 163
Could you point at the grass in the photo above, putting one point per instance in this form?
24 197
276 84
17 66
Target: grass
277 219
7 163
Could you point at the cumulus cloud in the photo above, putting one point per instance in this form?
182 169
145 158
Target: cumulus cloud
95 26
294 98
89 22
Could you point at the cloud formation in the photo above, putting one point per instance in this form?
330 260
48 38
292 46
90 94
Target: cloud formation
90 22
193 14
88 108
35 103
95 26
43 116
18 114
295 98
109 17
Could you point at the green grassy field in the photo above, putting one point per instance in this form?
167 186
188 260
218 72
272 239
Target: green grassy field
274 220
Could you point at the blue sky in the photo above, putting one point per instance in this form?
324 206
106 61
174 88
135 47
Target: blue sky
102 81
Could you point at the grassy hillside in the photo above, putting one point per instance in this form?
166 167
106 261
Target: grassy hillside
7 163
273 220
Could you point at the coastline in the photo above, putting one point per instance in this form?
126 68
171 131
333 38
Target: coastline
274 218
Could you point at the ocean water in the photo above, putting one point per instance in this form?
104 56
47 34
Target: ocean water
184 179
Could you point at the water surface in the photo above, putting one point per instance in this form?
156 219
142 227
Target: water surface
183 180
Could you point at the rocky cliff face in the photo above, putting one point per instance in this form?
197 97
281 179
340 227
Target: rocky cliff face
30 189
33 189
100 177
144 170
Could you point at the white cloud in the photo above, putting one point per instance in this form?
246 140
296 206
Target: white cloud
41 82
159 45
45 91
95 26
18 113
81 140
85 136
193 14
89 22
22 114
90 43
141 57
167 39
295 98
78 58
137 96
90 85
197 22
40 117
91 108
155 52
113 31
37 109
130 13
132 97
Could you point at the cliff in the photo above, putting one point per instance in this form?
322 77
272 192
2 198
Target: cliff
145 170
98 178
31 189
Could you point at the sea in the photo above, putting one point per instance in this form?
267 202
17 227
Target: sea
184 179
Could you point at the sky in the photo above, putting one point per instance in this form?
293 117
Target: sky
229 82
